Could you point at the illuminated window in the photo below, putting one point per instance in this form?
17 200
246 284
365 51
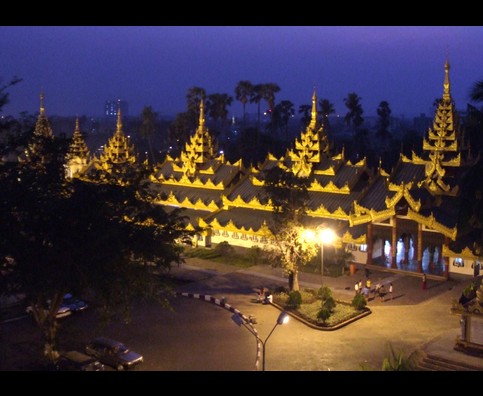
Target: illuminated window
363 248
458 262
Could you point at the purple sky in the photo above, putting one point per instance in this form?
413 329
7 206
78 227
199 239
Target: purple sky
80 68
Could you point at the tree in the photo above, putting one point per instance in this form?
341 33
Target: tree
282 113
256 97
73 236
193 99
216 105
289 196
180 130
3 91
147 129
305 111
268 92
243 92
383 123
326 109
354 115
476 92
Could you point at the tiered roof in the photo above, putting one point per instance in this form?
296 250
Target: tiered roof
78 156
425 188
118 149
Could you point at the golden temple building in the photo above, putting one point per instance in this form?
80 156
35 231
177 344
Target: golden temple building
404 220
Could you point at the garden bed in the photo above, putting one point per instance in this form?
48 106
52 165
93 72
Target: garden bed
307 312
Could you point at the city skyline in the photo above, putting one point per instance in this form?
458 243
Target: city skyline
79 68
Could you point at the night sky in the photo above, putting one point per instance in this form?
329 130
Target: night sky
79 68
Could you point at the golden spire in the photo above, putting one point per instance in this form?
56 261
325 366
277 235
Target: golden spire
313 119
77 128
446 94
202 114
42 108
119 121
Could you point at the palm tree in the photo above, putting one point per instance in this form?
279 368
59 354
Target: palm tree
216 106
476 93
256 97
193 99
384 113
282 114
243 92
147 128
268 94
305 111
326 109
354 115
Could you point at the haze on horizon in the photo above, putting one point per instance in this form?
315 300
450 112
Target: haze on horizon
79 68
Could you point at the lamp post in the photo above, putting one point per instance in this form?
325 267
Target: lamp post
282 319
326 235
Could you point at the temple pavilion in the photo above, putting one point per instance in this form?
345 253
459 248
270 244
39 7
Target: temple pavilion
404 219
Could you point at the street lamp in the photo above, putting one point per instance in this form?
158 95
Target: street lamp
326 235
282 319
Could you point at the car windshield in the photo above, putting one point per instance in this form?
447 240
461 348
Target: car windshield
121 349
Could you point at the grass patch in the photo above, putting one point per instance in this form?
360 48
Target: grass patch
310 308
224 253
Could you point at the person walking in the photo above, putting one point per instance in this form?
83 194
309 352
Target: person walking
356 288
390 290
423 283
382 292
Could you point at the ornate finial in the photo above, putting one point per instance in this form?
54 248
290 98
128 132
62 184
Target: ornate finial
42 108
446 94
119 122
202 114
313 119
77 128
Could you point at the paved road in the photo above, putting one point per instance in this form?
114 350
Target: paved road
198 335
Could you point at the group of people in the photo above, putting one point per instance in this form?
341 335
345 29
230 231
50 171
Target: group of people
378 291
264 296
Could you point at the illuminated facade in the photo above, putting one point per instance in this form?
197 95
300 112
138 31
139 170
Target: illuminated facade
403 220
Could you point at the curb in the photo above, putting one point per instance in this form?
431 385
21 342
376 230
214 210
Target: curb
328 328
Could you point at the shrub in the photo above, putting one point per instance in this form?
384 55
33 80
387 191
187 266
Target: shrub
329 304
294 299
308 296
323 314
280 290
359 301
324 292
224 249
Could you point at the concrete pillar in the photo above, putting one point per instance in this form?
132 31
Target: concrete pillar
419 244
394 242
370 243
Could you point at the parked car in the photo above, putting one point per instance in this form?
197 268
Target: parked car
113 353
74 303
78 361
62 312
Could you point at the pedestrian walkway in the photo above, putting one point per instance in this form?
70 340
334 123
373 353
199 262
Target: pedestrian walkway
407 291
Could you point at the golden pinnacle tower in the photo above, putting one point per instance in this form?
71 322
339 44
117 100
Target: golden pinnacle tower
118 149
78 156
200 148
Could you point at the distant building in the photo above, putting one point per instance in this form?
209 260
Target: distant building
111 106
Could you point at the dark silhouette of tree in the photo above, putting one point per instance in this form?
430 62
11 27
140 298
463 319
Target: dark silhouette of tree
216 105
180 130
326 109
148 129
256 97
243 92
383 123
74 236
3 91
476 92
354 115
193 99
282 113
305 110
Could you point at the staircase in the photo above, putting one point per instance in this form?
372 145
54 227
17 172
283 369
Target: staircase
430 362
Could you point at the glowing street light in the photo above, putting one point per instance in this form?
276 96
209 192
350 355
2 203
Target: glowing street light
283 318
